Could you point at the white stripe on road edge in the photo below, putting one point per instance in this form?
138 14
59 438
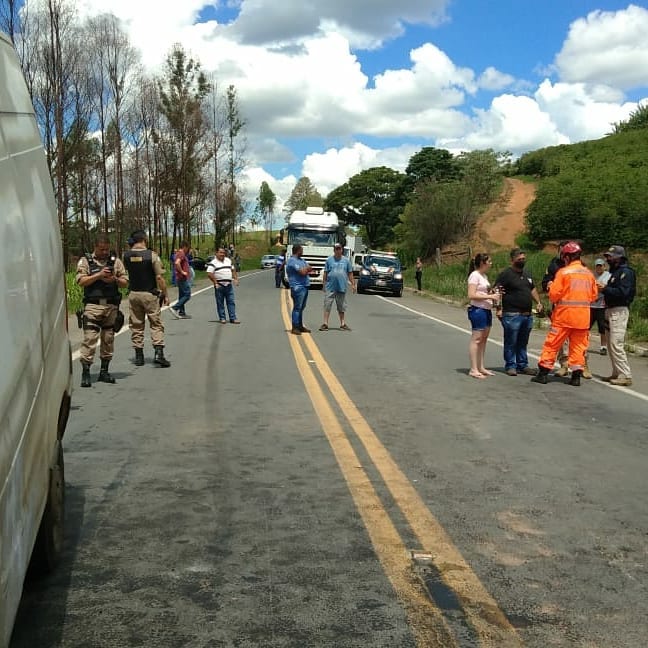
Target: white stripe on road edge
625 390
77 354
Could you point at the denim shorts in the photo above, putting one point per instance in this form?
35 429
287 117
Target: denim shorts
480 318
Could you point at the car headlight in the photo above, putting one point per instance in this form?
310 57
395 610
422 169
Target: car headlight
365 272
398 275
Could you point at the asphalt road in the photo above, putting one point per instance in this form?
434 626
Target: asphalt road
346 489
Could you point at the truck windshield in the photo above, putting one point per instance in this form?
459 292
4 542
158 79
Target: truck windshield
310 238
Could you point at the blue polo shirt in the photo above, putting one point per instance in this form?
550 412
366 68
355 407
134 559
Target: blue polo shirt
294 265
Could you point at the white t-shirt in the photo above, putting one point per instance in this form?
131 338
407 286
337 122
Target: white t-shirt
222 270
483 285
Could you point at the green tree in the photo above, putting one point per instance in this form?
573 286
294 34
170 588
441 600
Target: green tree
266 202
430 164
303 195
370 199
183 91
638 120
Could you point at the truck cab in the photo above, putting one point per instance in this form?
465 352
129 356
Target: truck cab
317 231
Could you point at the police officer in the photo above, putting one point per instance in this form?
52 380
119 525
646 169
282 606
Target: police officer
147 290
100 274
619 292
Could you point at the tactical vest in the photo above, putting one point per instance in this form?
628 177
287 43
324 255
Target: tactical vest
139 264
100 289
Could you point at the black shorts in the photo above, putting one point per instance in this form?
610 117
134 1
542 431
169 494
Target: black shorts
598 315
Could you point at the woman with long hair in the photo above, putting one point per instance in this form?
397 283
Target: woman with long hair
480 313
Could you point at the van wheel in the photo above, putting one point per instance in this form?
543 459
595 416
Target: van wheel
398 293
49 542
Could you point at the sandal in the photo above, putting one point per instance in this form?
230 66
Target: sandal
344 327
324 327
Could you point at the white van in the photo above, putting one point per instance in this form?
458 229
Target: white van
36 374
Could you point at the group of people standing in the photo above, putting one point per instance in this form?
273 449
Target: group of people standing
579 298
337 276
102 274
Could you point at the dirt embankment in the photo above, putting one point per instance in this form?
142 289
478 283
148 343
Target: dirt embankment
504 219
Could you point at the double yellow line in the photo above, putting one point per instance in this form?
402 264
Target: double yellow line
487 621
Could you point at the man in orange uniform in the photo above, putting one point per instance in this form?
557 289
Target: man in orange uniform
571 292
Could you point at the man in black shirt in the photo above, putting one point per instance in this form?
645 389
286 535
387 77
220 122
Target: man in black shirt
518 294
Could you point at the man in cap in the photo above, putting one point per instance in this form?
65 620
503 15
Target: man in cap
618 294
597 308
338 274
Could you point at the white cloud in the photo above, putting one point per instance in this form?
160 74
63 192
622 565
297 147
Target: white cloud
609 48
493 79
365 23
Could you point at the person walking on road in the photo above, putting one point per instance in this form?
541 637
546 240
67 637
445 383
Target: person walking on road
222 273
571 292
183 281
518 294
480 313
419 273
338 274
101 275
148 291
297 270
619 292
597 308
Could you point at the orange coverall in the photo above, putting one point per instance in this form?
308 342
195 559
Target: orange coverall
572 292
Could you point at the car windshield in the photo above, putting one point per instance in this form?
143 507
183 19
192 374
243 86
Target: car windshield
385 262
268 257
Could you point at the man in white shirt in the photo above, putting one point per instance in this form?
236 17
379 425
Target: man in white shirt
222 273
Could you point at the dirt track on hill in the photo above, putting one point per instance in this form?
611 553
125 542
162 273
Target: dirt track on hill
504 219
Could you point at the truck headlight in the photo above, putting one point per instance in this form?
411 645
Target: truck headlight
398 275
365 272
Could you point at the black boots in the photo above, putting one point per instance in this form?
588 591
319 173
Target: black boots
139 357
159 359
104 376
574 381
85 375
541 376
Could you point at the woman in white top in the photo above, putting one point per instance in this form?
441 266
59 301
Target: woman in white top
480 313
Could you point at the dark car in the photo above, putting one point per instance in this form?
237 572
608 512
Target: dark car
198 263
381 272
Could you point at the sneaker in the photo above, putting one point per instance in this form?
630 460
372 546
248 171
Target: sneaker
304 329
610 378
324 327
587 374
562 372
295 330
222 321
621 381
529 371
175 313
345 327
511 372
183 316
235 321
603 351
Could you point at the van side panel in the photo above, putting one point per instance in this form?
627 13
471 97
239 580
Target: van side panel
35 379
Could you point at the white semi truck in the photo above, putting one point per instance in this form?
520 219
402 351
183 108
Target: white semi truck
317 231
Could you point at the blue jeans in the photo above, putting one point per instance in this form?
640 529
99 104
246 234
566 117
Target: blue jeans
225 295
517 329
184 295
299 296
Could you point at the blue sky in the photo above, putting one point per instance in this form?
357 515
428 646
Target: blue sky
331 87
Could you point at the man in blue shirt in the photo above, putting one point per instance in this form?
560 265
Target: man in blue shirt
338 274
297 271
